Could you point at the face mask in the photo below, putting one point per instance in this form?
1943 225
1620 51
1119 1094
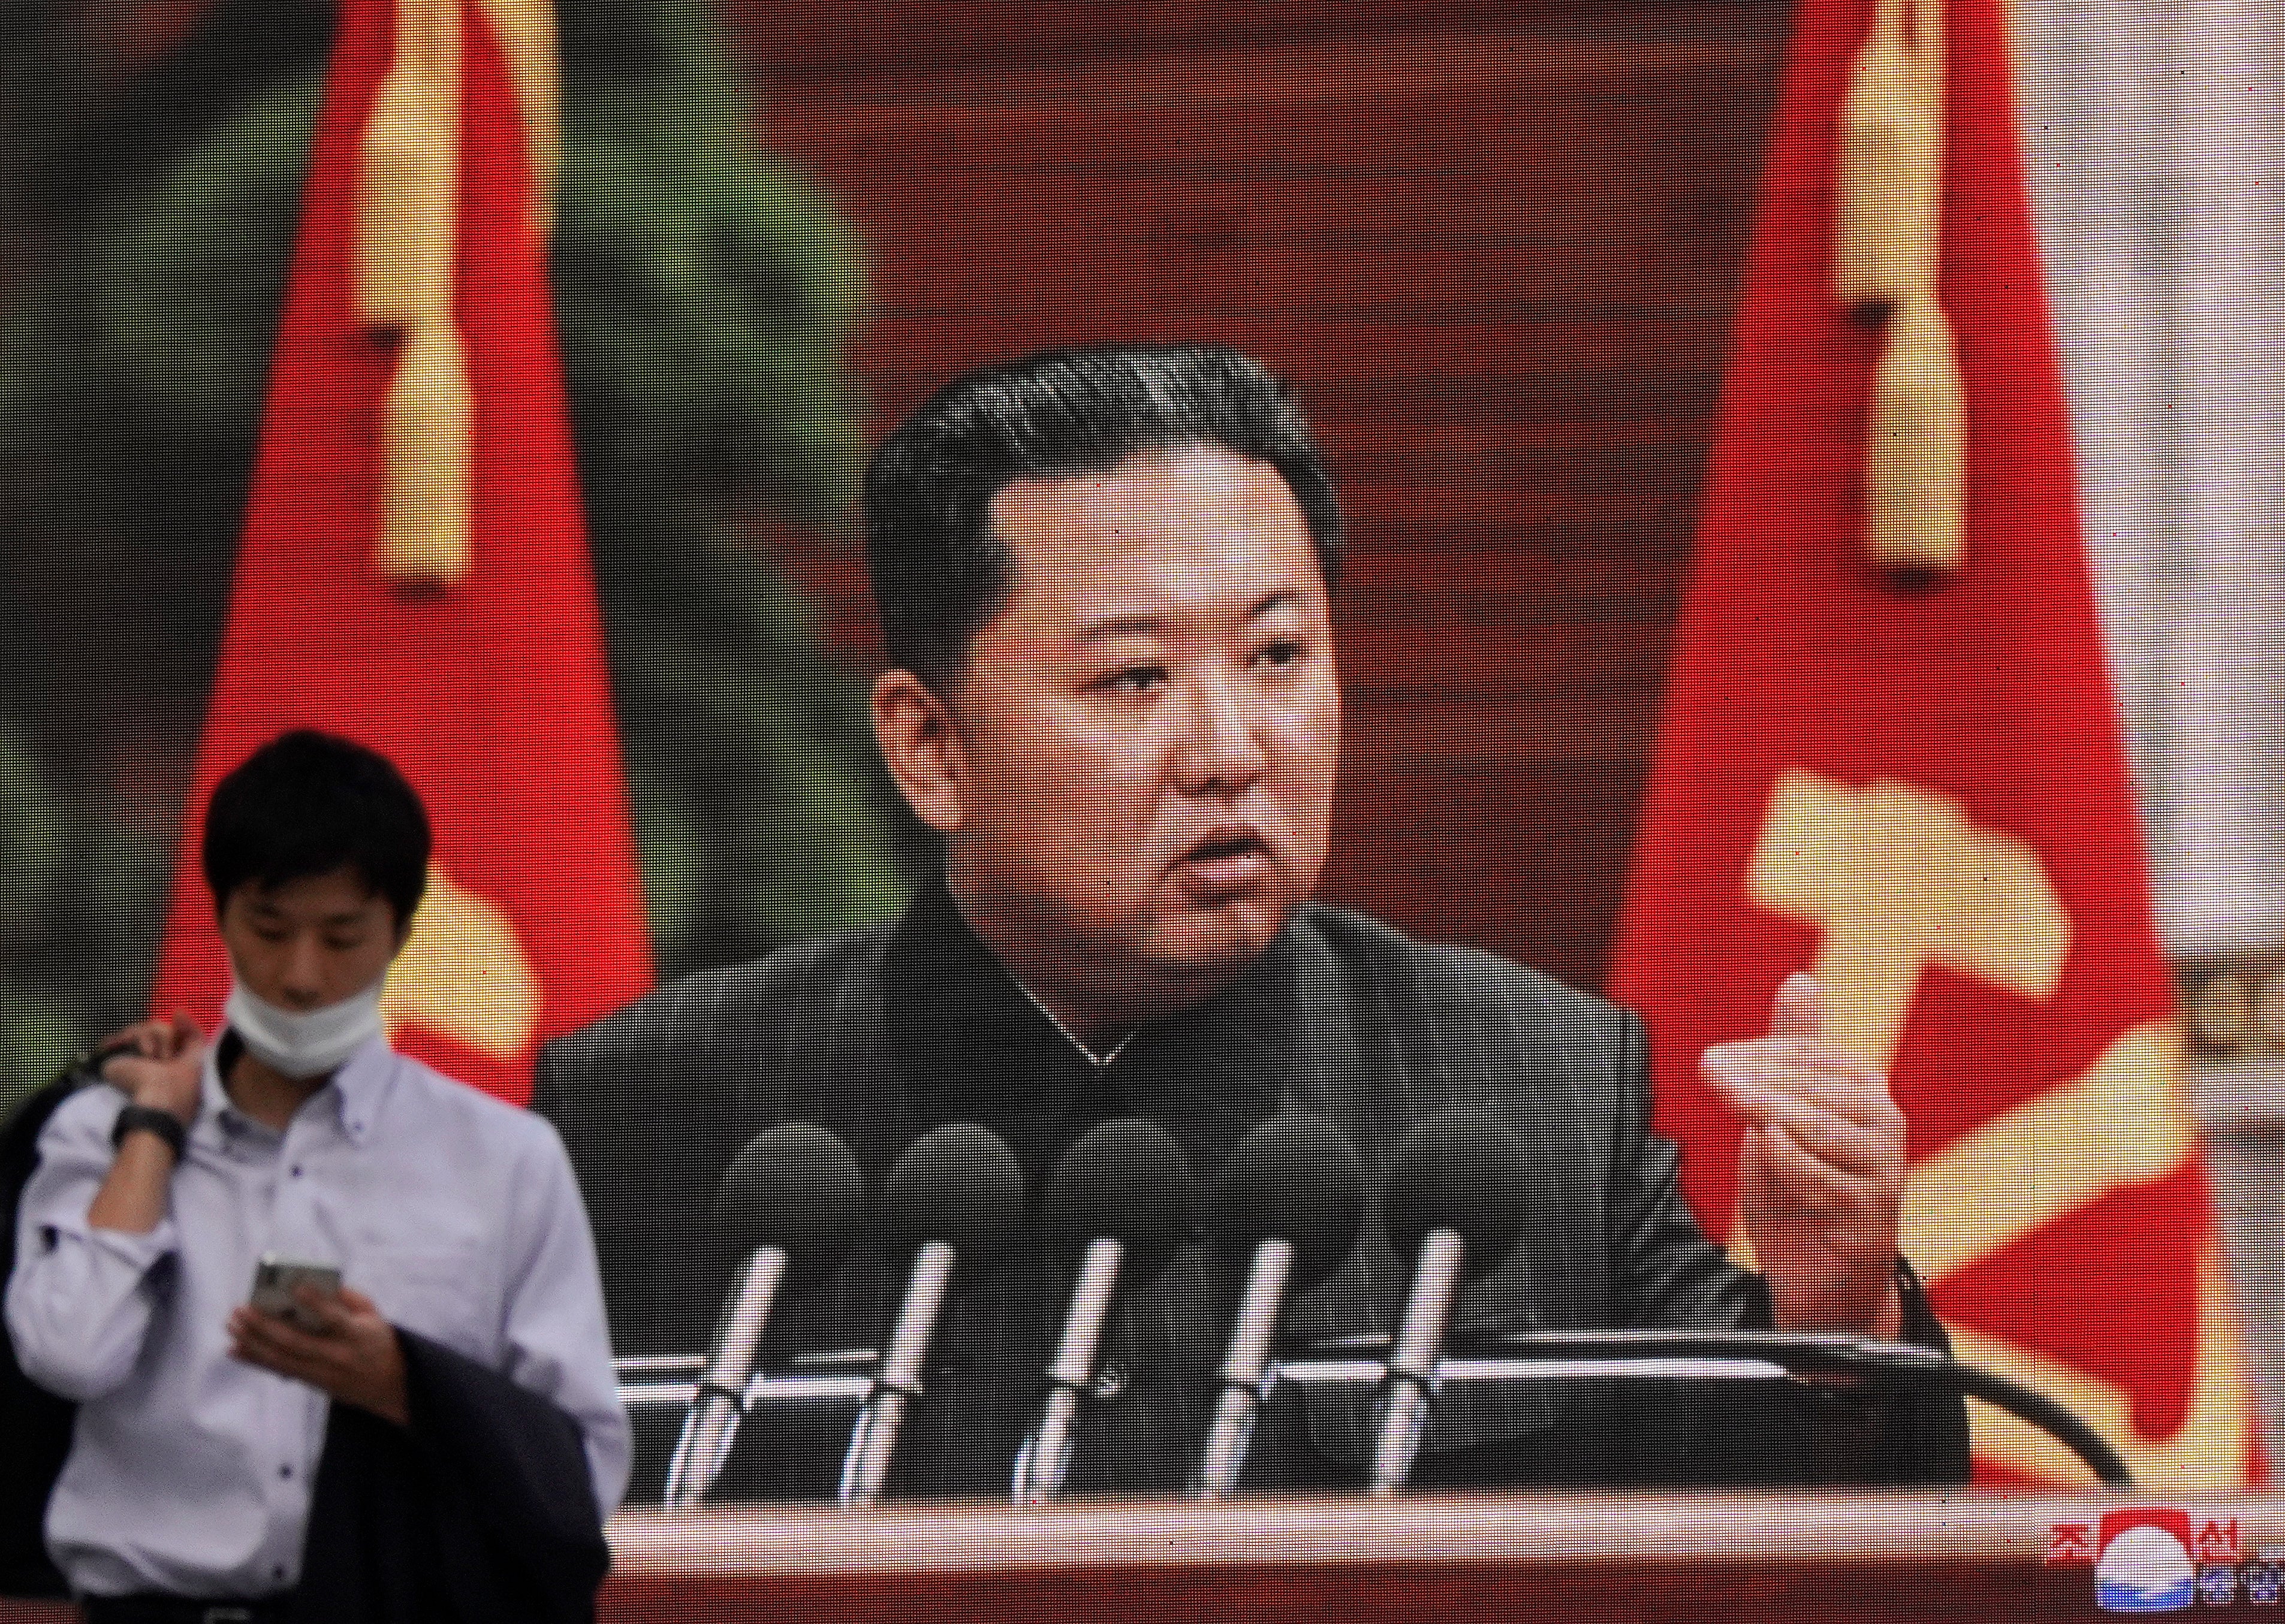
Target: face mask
302 1046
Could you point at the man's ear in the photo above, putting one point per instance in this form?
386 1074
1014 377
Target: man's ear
920 742
430 886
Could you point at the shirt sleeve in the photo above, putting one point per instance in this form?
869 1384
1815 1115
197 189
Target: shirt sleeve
80 1300
559 1343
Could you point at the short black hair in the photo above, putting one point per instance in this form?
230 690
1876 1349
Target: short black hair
307 803
939 573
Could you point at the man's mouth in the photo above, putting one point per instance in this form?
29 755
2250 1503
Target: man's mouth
1219 846
1226 861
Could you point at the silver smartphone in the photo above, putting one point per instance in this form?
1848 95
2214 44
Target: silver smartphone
275 1279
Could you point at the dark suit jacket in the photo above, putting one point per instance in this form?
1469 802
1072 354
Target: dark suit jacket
480 1509
882 1034
36 1424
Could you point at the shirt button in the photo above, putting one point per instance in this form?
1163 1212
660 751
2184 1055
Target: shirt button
1110 1381
279 1573
285 1471
297 1171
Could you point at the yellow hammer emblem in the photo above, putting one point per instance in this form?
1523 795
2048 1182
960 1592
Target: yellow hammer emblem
464 974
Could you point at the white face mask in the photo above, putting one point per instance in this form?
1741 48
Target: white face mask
302 1046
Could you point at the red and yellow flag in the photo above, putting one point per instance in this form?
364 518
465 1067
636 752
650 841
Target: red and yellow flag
1914 784
413 570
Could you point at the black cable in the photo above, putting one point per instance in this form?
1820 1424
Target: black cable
1867 1358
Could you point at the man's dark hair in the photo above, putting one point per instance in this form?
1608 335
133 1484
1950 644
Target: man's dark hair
307 803
938 571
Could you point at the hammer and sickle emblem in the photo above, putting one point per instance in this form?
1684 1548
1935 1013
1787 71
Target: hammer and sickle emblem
1897 878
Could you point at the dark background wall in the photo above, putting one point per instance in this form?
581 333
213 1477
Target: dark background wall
1497 248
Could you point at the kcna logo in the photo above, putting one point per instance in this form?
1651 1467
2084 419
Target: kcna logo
2155 1558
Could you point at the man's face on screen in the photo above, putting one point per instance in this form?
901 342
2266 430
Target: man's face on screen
312 942
1147 733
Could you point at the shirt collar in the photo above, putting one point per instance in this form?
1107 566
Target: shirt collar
976 1044
360 1083
357 1085
213 1099
1101 1061
962 1020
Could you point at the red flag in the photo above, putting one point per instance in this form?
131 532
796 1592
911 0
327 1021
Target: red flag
1920 791
489 692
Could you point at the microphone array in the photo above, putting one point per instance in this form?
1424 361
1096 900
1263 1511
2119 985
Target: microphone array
1286 1208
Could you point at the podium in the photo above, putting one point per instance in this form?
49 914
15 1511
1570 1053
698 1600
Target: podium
1830 1559
1818 1559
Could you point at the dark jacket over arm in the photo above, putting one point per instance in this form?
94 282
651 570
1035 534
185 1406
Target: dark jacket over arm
35 1424
481 1509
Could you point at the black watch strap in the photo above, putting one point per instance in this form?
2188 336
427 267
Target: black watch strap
149 1120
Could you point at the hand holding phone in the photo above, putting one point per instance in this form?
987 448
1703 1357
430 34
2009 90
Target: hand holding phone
350 1353
277 1279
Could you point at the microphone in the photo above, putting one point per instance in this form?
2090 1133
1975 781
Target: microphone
1118 1202
1290 1196
956 1189
793 1197
1452 1199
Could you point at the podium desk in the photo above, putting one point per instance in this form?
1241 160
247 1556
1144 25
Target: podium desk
1833 1558
1680 1559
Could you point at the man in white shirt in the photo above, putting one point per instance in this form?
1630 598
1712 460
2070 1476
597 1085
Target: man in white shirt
301 1133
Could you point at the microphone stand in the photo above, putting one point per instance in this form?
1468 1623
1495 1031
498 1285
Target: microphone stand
1410 1383
718 1405
1044 1461
897 1384
1245 1375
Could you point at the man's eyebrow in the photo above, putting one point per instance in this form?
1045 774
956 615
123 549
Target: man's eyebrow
1125 625
1121 626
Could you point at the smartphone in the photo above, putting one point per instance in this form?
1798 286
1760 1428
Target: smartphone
275 1279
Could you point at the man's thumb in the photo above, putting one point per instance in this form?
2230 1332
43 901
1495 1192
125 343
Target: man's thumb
1798 1010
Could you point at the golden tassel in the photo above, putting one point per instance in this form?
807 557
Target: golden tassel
1887 216
408 173
408 197
525 30
426 438
1889 181
1916 446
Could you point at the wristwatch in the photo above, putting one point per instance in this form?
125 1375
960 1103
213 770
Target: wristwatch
149 1120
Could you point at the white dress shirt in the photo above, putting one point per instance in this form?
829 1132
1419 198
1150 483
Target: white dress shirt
189 1471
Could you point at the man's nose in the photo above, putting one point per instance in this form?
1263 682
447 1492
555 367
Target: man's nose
1221 746
302 977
